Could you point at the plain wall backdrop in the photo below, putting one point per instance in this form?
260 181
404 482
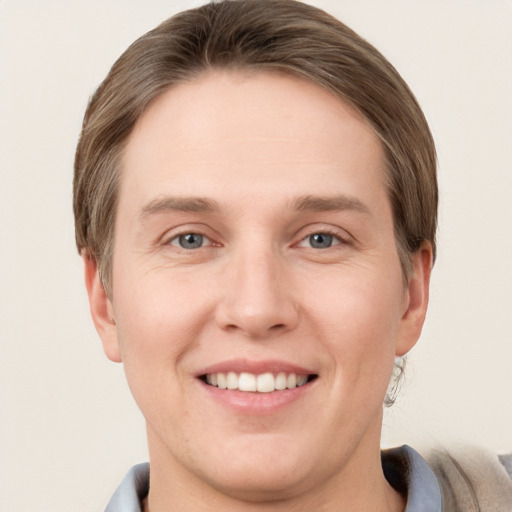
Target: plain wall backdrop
69 429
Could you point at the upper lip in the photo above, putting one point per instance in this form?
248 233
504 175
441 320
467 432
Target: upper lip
254 367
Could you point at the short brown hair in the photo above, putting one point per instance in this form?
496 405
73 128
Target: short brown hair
284 35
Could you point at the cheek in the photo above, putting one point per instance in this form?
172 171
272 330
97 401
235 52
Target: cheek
360 323
158 322
157 308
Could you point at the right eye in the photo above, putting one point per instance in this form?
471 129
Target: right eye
190 241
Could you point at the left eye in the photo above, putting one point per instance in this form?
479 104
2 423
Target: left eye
320 241
189 241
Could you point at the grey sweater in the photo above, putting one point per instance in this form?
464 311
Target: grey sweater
473 480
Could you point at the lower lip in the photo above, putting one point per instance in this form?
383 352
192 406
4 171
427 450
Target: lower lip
253 403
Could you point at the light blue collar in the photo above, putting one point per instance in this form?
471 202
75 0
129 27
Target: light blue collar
408 472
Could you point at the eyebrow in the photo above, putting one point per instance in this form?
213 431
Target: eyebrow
329 203
178 204
308 203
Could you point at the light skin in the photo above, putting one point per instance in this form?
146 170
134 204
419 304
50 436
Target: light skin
254 234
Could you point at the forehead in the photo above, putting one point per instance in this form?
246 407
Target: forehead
245 128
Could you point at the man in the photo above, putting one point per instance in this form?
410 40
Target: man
256 206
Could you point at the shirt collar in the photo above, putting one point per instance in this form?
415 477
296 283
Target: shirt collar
131 491
408 472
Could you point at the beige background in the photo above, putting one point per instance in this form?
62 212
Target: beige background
68 428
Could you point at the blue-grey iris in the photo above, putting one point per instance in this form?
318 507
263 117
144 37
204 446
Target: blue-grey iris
190 241
320 240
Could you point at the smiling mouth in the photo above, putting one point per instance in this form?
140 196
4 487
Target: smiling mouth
261 383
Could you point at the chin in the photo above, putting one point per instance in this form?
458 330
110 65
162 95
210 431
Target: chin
263 484
267 474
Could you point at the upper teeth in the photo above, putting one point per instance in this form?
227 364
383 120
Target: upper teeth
263 383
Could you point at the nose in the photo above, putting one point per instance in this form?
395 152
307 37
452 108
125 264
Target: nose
258 298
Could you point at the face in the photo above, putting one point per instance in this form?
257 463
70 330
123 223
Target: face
258 301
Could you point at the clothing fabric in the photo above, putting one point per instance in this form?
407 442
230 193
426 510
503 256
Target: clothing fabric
473 480
409 473
132 490
469 481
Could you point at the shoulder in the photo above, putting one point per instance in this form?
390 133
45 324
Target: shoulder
472 479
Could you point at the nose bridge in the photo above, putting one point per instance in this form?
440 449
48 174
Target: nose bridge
257 299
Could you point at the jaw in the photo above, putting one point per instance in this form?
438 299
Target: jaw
264 472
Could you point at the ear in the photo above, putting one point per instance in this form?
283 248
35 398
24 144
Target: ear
415 299
102 311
